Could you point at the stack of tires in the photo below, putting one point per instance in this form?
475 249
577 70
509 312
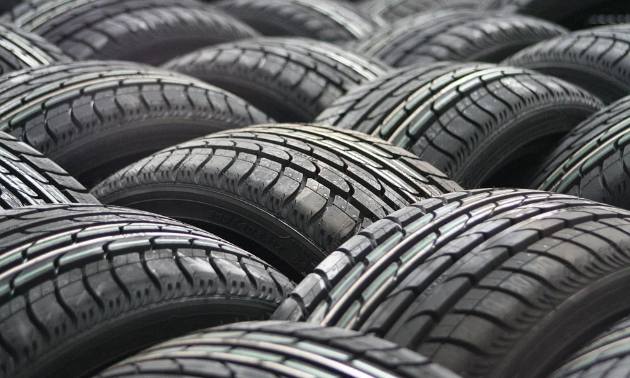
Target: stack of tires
314 188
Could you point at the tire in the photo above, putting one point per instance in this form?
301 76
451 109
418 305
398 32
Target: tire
290 79
277 349
93 118
612 13
591 161
332 183
455 35
392 10
596 59
147 31
481 124
323 20
29 178
101 283
488 283
19 49
604 356
554 10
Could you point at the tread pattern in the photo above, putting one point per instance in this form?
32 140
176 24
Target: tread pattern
607 355
29 178
546 9
277 349
392 10
70 274
468 120
592 161
290 79
597 60
323 20
20 49
463 278
325 184
148 31
73 113
455 35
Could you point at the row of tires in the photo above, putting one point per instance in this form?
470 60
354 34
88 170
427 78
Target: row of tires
361 203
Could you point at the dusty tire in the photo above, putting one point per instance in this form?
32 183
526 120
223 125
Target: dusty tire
147 31
93 118
100 283
475 122
295 192
595 59
20 49
488 283
297 350
455 35
29 178
591 161
392 10
290 79
604 356
323 20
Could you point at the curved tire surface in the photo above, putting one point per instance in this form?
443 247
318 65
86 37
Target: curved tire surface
290 79
88 285
93 118
294 191
488 283
481 124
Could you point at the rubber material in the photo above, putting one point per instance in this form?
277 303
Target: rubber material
455 35
93 118
147 31
290 79
558 10
392 10
294 191
20 49
29 178
597 60
277 349
607 355
324 20
7 5
481 124
82 286
488 283
592 161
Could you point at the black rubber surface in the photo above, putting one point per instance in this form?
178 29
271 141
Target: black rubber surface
455 35
277 349
607 355
481 124
392 10
148 31
489 283
596 59
82 286
559 10
6 5
93 118
293 192
29 178
20 49
592 161
325 20
290 79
